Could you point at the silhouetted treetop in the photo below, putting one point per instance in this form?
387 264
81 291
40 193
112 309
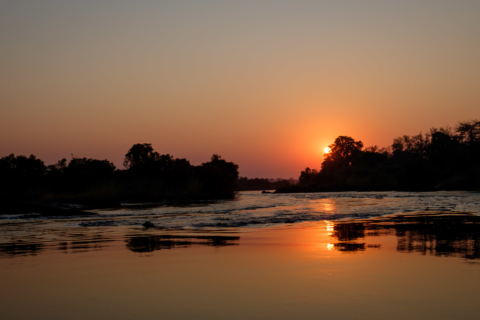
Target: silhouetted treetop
20 173
307 177
412 144
218 176
90 167
342 152
140 154
22 164
60 166
469 131
219 166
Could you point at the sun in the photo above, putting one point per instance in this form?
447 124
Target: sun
327 150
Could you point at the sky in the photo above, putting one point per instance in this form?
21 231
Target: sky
265 84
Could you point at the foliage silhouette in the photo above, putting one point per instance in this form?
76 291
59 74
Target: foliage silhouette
140 155
149 176
342 152
21 173
246 184
442 159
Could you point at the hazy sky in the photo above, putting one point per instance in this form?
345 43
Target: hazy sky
265 84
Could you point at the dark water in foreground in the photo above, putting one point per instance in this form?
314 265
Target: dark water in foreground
304 256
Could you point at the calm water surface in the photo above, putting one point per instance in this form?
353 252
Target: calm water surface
351 255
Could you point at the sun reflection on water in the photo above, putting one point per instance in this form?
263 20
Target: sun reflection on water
325 206
329 227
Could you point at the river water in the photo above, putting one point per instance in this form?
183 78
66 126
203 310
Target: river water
346 255
248 209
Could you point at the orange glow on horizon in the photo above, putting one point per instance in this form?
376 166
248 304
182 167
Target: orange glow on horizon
248 94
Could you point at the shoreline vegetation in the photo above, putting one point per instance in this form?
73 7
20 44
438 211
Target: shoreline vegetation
259 184
28 185
442 159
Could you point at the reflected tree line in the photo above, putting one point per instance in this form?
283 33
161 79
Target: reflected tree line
144 244
441 159
427 233
452 234
25 248
139 244
147 176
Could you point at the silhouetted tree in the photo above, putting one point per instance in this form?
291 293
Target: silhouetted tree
140 155
149 177
308 177
469 131
60 166
245 184
84 173
218 177
410 144
342 151
21 173
438 159
469 134
443 149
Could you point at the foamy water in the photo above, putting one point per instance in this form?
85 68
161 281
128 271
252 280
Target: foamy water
248 209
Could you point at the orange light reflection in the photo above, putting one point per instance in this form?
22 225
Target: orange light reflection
329 228
325 206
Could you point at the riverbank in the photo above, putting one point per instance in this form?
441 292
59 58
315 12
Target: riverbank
344 188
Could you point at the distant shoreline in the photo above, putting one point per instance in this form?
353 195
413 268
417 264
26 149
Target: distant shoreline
315 189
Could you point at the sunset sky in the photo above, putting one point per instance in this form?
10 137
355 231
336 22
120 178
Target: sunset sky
265 84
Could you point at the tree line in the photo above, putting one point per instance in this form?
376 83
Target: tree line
246 184
148 176
441 159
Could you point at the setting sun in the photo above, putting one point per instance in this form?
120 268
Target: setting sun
326 150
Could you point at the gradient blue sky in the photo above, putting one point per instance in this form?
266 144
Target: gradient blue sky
266 84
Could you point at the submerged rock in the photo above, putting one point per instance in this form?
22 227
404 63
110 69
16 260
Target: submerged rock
148 224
